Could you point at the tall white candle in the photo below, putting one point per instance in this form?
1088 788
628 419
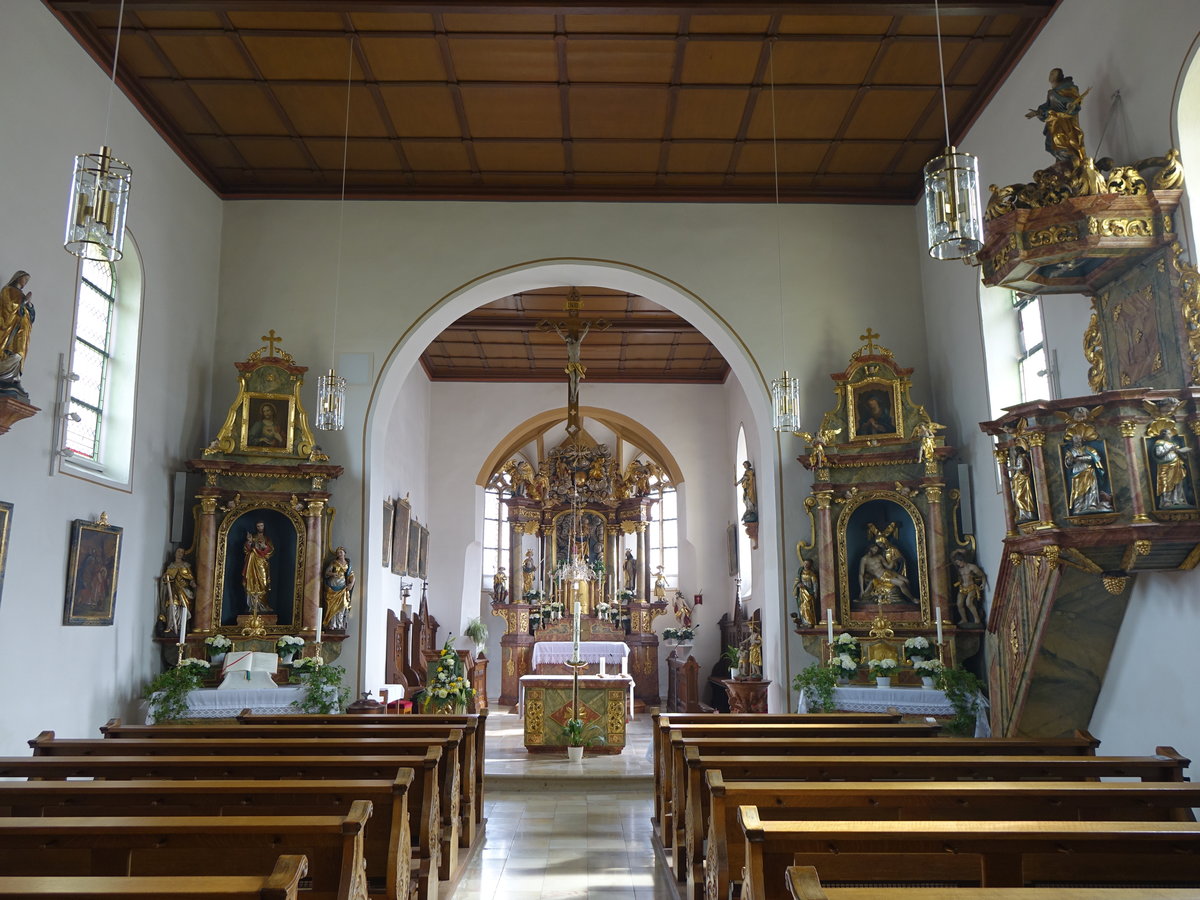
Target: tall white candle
939 624
575 633
829 623
183 617
318 636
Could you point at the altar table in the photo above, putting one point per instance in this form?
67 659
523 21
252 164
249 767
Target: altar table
211 703
602 652
913 701
545 705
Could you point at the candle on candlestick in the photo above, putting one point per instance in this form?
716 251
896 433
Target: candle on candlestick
829 623
939 625
317 639
183 617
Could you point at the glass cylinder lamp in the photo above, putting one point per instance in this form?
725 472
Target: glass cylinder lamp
97 206
953 214
785 403
331 402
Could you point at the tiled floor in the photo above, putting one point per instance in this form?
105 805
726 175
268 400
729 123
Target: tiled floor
555 830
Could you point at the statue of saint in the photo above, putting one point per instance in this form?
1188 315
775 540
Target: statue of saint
752 649
256 571
1083 465
1060 113
528 568
749 493
682 609
660 585
1022 486
16 324
339 588
499 587
1172 471
805 590
629 567
882 571
178 591
970 584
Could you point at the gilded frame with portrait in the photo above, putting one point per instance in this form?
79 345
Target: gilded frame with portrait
873 410
92 565
268 423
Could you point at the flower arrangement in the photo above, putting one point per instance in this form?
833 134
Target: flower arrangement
304 666
167 694
200 667
916 648
844 665
685 634
448 686
883 668
218 643
324 691
625 596
532 596
927 668
289 641
848 644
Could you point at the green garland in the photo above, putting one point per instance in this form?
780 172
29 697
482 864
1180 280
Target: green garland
167 694
963 690
817 682
324 691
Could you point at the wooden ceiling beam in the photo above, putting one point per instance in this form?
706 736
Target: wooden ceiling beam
490 322
595 375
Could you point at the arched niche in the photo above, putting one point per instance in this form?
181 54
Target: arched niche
285 529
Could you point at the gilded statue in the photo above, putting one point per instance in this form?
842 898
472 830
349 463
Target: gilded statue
805 590
1171 477
520 477
751 650
16 324
926 431
749 492
528 568
178 586
499 587
256 571
817 458
1084 467
970 584
339 589
660 585
629 569
1021 484
882 571
1060 115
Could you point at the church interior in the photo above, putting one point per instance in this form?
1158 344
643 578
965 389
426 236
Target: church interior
604 376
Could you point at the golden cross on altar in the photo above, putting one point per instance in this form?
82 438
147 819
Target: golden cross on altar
272 339
869 337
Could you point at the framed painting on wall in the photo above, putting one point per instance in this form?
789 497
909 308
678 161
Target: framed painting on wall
399 538
413 567
874 410
5 527
423 555
389 516
92 565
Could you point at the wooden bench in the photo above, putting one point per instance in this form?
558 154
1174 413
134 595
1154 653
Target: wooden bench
470 761
803 743
392 859
449 781
1090 801
282 884
805 885
191 845
969 853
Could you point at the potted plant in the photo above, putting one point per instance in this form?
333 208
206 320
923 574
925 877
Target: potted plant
882 671
683 635
732 655
928 670
580 735
217 646
324 691
816 682
848 644
965 692
477 632
167 694
843 667
916 648
288 646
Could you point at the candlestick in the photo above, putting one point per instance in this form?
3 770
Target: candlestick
939 625
575 634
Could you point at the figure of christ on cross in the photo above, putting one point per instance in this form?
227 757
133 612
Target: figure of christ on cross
572 332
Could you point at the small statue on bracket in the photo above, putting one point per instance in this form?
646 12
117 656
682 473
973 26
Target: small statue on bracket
528 568
499 587
805 590
16 323
339 589
971 582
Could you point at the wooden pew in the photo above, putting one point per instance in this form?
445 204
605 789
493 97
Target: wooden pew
470 760
805 885
1090 801
798 740
427 834
969 853
46 744
392 859
1165 766
191 845
282 884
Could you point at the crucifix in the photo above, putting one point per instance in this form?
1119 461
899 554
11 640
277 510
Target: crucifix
272 339
573 331
869 337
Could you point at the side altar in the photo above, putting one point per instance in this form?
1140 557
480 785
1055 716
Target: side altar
262 564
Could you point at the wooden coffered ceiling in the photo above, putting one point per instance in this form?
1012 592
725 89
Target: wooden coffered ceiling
531 100
501 341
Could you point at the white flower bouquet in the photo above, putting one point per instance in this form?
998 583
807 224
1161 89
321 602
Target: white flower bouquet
927 668
199 667
288 642
848 644
916 648
883 668
218 643
844 665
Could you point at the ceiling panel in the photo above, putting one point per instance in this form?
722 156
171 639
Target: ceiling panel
579 101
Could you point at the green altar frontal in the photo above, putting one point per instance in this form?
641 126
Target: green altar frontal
547 706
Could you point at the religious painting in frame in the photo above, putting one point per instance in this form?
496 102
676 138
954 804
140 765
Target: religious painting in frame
5 527
389 516
92 564
401 523
413 554
268 423
423 554
874 410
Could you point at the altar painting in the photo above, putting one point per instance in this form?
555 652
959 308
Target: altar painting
278 549
589 534
881 554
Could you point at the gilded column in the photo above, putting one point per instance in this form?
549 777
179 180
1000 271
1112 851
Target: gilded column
1037 459
206 562
826 553
314 516
1137 479
939 583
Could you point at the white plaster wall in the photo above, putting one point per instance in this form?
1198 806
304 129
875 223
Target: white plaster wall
1138 49
71 679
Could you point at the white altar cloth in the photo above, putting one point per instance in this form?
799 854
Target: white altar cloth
211 703
601 652
591 681
913 701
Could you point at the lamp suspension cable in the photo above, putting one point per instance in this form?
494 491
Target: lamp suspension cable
953 214
785 390
100 183
331 387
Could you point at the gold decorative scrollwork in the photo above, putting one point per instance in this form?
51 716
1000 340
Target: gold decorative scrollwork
1189 306
1093 351
534 717
1054 234
616 714
1139 227
1128 429
1014 642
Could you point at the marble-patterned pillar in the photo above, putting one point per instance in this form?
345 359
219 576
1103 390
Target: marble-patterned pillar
826 553
643 533
1134 472
314 517
1041 483
206 563
939 583
1010 510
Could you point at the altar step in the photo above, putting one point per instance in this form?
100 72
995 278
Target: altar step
567 784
